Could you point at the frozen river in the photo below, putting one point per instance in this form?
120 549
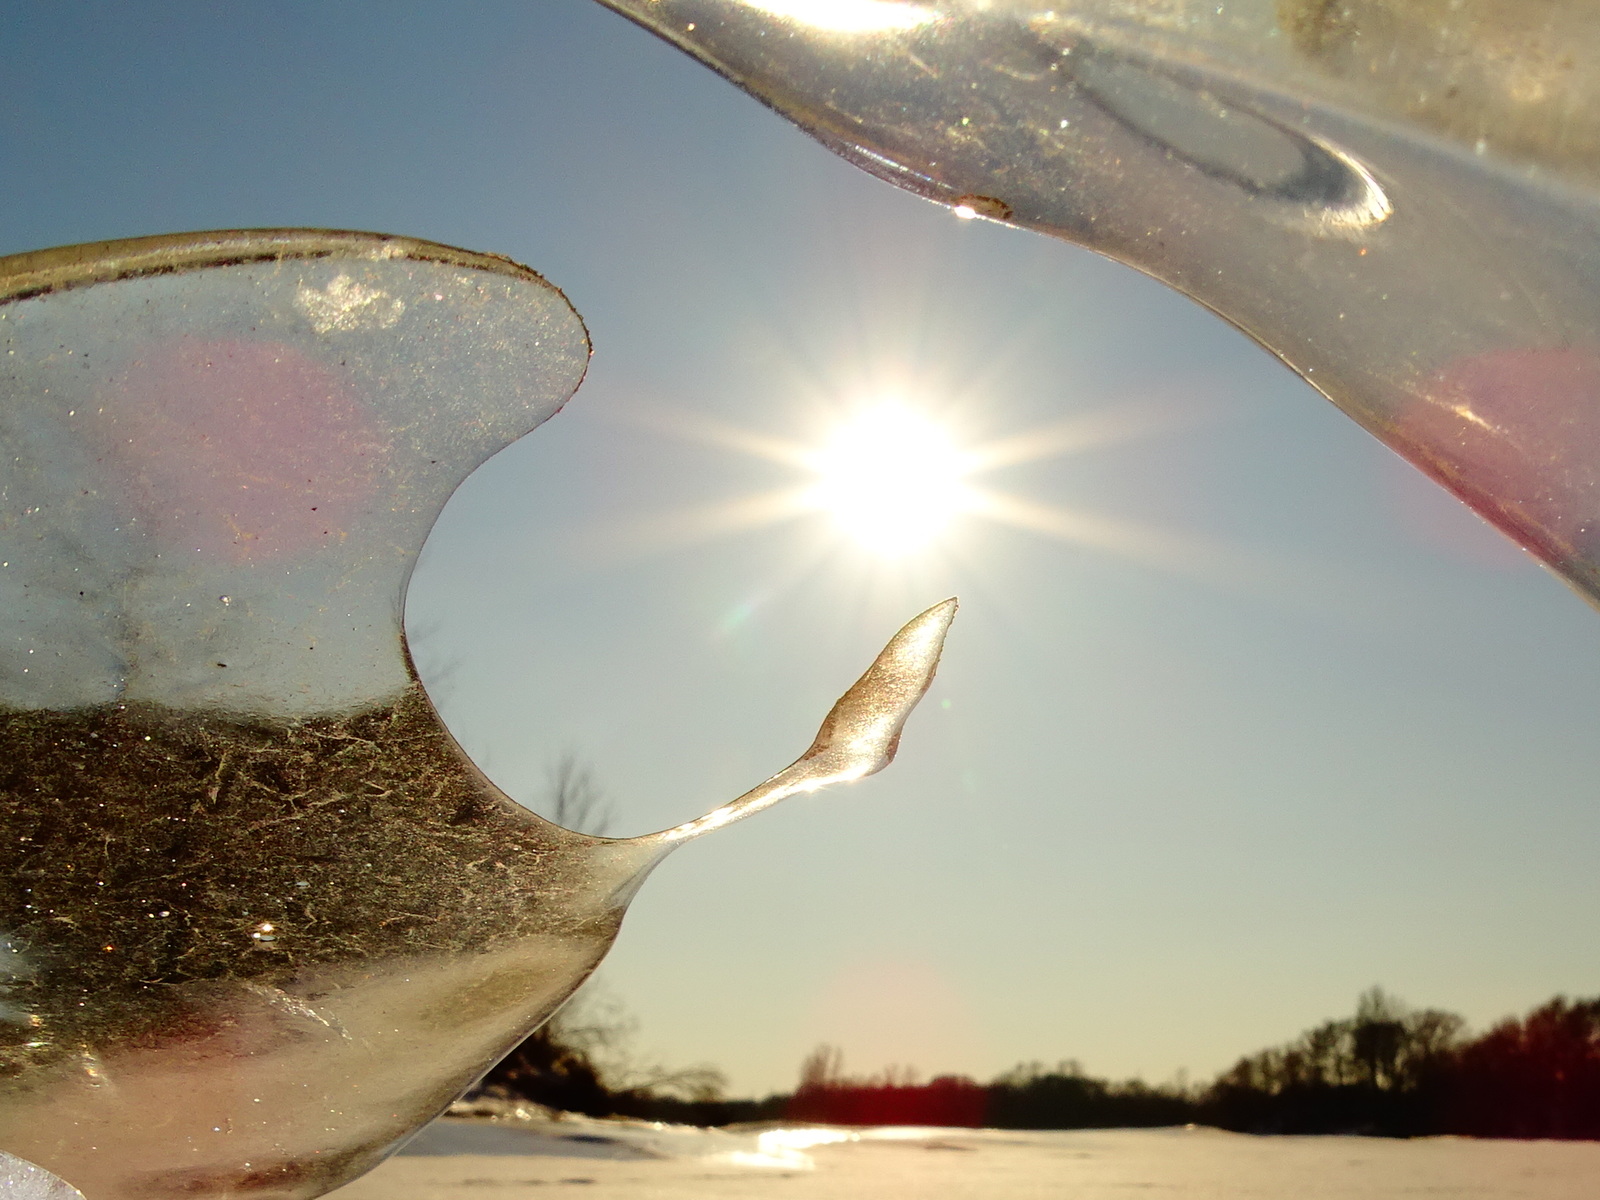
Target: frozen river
605 1161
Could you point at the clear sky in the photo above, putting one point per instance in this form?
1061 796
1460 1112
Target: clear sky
1290 723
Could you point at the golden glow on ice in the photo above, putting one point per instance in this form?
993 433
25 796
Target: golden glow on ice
891 478
849 16
860 734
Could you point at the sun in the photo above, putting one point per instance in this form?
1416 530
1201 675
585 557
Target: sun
892 479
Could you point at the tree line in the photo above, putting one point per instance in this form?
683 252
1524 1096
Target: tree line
1394 1071
1387 1070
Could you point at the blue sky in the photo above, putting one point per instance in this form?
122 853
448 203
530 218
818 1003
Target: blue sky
1170 800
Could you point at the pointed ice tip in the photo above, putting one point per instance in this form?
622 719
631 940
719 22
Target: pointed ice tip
861 733
857 738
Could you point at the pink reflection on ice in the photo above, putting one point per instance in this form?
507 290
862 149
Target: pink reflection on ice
242 450
1516 434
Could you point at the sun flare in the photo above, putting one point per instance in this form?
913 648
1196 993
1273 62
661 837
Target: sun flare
891 478
897 482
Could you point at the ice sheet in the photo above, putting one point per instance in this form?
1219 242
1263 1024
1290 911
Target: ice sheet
960 1164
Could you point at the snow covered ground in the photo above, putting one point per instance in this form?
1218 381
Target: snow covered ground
604 1160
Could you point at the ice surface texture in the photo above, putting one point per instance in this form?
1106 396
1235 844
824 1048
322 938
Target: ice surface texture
1396 197
262 918
23 1181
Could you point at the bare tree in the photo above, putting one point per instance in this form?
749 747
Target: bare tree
823 1067
1378 1038
576 801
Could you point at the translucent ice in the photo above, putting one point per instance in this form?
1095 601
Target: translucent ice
1396 197
262 918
